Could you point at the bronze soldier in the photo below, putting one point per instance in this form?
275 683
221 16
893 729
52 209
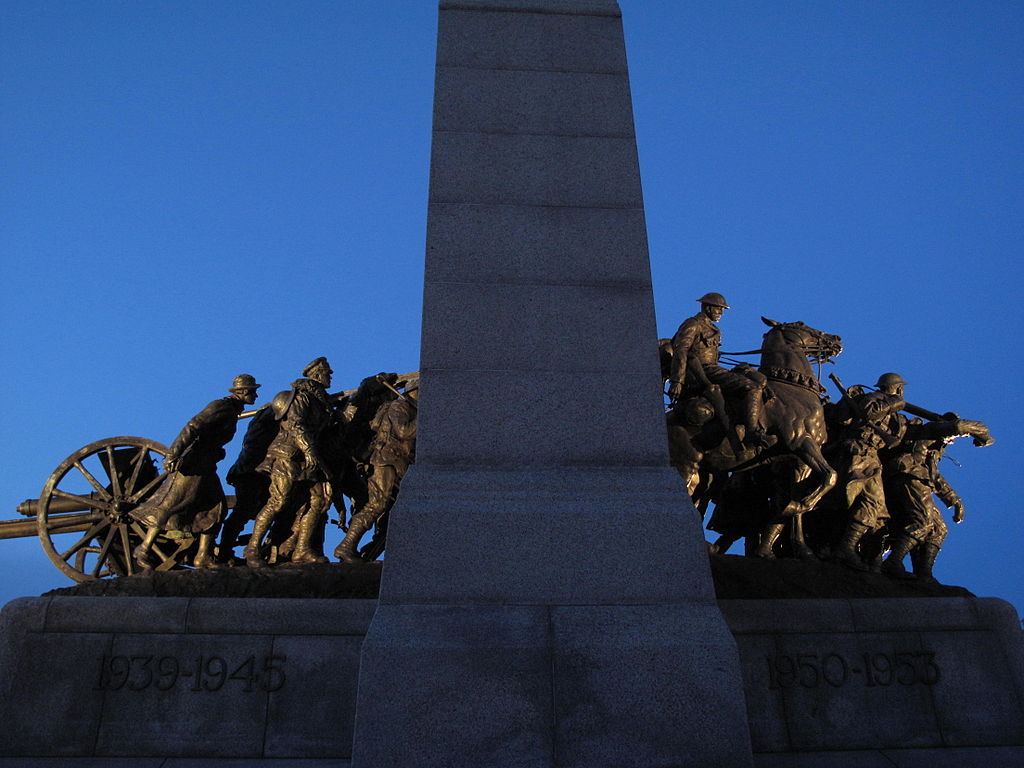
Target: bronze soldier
911 476
252 485
695 348
392 451
298 475
191 497
873 422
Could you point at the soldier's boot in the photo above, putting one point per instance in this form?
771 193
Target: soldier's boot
141 554
893 564
204 556
721 545
253 557
846 552
753 409
346 550
229 538
926 554
768 539
304 551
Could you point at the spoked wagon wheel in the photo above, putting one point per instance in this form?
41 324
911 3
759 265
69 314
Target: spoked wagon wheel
106 480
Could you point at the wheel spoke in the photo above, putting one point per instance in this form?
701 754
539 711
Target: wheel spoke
88 501
86 538
140 494
154 547
115 481
136 466
129 557
92 480
102 557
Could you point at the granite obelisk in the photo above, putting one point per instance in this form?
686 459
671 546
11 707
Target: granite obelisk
546 597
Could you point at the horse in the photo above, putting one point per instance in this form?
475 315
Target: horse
794 419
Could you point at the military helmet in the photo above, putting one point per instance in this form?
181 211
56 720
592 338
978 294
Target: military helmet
714 299
242 382
889 380
320 362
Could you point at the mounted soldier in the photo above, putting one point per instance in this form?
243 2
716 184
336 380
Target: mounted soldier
695 369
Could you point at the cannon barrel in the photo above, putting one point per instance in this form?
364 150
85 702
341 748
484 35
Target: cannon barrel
76 521
58 506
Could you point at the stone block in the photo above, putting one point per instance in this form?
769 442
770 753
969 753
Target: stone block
976 700
524 244
54 702
188 695
105 614
579 7
541 103
787 616
20 621
1001 618
85 762
913 613
534 170
314 716
637 686
533 41
766 712
831 759
863 691
301 617
489 418
953 757
576 526
474 682
587 329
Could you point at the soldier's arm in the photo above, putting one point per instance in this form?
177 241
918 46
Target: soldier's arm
405 424
682 360
299 417
950 498
190 433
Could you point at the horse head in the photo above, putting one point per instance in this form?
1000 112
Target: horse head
816 346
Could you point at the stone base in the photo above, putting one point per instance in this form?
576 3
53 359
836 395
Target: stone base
924 673
568 686
177 677
918 683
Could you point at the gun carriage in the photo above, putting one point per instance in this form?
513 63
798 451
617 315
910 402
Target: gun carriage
82 516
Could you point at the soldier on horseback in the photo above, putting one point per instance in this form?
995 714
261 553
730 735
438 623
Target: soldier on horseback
695 368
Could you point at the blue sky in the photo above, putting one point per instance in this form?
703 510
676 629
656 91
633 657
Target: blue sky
191 190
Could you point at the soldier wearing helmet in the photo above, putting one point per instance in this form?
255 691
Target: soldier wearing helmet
191 498
298 474
872 422
695 365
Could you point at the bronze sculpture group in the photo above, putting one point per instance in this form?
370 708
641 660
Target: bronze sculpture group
850 480
304 451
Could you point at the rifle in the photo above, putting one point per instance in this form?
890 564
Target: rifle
889 439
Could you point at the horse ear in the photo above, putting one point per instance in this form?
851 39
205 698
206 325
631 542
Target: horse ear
768 322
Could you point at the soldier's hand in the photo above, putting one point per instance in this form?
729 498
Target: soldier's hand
675 390
958 512
171 463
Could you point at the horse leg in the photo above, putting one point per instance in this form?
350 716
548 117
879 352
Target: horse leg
768 538
800 548
809 452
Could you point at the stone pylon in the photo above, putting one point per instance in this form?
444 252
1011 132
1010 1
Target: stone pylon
546 597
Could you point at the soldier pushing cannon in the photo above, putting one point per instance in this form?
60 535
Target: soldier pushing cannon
126 505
